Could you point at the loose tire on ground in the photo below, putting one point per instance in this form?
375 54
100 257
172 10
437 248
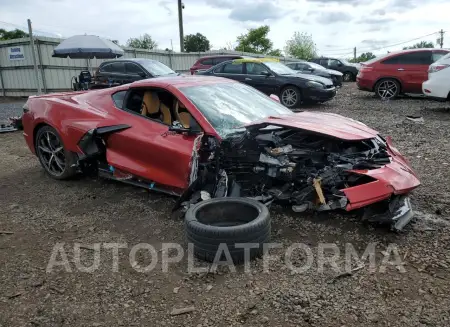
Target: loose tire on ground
230 222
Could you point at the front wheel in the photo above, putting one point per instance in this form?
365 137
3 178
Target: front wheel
291 97
58 162
387 89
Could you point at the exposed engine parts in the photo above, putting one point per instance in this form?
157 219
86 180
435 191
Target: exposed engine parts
303 169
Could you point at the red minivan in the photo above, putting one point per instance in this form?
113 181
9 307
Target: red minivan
205 63
397 72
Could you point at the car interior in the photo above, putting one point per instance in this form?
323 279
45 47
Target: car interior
159 105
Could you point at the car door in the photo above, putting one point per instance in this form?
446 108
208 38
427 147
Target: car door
304 68
115 73
323 62
410 68
147 149
134 72
259 76
231 70
104 73
335 65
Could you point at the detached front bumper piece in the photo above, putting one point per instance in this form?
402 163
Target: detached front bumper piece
397 212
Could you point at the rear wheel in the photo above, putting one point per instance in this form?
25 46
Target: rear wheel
291 97
348 77
56 160
387 89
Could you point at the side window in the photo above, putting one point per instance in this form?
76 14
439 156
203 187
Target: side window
255 68
157 105
302 67
118 67
134 69
232 68
413 58
107 68
324 62
219 60
207 62
333 62
118 98
291 65
438 55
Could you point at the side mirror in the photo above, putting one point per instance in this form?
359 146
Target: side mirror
339 64
275 98
194 127
266 73
142 74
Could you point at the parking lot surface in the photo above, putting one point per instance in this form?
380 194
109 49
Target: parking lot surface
38 212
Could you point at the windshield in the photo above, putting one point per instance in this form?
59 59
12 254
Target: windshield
229 106
156 68
279 68
447 56
315 66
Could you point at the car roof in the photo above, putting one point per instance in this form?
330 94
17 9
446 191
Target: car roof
251 59
182 81
137 60
223 56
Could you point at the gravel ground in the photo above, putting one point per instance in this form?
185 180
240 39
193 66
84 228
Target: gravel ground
42 212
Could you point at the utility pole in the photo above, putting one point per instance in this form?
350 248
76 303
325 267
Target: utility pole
180 23
441 40
354 53
36 72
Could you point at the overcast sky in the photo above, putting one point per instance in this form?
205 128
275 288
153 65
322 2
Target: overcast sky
336 25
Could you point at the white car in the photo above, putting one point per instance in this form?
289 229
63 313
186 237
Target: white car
438 84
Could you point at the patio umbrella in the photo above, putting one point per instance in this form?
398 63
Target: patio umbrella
87 47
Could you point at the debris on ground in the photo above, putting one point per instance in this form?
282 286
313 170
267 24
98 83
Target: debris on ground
416 119
181 311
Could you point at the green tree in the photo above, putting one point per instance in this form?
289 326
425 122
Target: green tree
9 35
363 57
143 42
421 44
196 43
275 53
255 40
301 46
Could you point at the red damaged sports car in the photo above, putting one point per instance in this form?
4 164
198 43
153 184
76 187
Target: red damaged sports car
201 137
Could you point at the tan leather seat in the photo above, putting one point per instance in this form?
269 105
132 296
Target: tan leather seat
152 106
183 116
167 116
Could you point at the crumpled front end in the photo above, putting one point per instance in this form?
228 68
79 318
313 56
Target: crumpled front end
312 171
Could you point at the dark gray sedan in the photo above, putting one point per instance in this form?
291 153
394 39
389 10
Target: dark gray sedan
305 67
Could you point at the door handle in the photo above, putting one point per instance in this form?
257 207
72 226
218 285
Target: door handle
401 69
248 79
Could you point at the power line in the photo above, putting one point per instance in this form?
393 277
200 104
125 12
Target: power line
383 47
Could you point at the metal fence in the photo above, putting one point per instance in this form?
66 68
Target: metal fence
17 76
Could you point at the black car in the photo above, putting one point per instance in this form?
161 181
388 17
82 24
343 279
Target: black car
273 77
123 71
348 69
315 69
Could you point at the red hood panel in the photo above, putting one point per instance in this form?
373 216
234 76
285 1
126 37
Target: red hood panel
324 123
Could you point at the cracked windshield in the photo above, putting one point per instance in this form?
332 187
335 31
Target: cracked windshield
229 106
